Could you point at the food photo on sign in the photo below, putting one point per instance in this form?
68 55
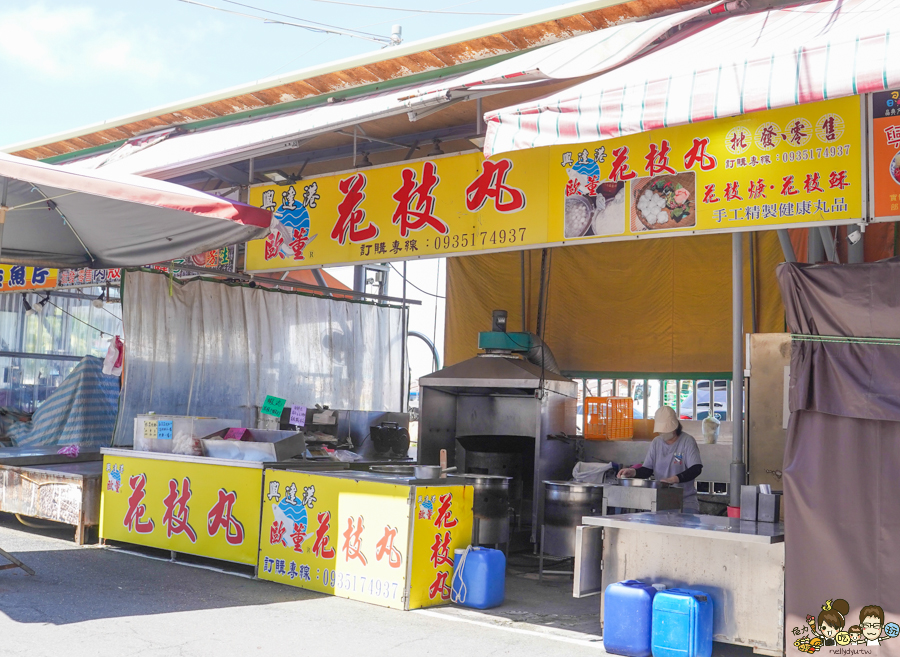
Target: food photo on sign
663 202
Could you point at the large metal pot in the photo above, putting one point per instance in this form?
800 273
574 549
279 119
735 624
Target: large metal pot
490 507
565 504
643 483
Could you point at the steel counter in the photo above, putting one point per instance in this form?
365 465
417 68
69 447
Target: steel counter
740 565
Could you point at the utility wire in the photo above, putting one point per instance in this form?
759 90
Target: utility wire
312 26
102 333
436 296
354 4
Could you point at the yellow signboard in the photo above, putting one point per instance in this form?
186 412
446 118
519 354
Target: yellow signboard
443 524
18 278
782 167
195 508
333 535
351 538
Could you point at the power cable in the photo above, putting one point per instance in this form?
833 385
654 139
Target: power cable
312 26
354 4
436 296
102 333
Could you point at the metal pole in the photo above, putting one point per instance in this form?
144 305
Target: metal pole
815 250
855 251
828 243
479 118
524 316
786 247
3 209
404 396
738 470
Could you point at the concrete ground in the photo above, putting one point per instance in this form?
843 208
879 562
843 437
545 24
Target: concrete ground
101 601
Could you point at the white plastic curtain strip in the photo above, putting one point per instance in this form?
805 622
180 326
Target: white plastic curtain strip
215 350
726 67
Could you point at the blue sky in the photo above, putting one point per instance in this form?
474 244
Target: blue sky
69 63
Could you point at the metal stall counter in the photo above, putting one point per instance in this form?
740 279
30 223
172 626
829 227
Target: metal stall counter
739 564
384 539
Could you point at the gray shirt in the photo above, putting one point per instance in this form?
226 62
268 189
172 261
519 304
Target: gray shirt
669 460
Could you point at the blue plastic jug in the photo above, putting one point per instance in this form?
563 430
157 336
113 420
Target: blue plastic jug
479 578
627 618
682 624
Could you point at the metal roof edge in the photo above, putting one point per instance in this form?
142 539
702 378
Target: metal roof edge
302 103
413 47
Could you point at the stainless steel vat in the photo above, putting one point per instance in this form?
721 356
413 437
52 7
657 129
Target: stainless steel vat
565 504
493 412
491 506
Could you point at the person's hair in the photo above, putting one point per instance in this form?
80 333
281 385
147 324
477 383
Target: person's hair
872 610
679 429
855 629
835 616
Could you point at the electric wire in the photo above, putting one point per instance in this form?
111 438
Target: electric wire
102 333
436 296
312 26
354 4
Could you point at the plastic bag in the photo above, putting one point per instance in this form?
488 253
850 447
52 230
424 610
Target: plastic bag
710 429
115 356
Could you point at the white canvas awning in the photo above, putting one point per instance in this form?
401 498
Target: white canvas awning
725 67
57 217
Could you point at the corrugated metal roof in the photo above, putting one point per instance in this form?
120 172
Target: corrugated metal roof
423 58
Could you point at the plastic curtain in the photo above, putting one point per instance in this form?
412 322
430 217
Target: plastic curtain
217 350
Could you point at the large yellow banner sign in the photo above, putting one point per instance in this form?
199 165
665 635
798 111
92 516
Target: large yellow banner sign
377 542
195 508
781 167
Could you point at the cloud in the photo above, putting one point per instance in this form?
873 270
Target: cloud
80 43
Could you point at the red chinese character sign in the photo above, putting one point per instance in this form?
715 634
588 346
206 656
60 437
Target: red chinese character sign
206 510
449 205
352 538
772 168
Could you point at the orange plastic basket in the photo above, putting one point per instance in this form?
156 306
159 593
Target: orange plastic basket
608 418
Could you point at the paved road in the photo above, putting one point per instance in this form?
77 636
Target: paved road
94 601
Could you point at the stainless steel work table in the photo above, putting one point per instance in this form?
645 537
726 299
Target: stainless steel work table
739 564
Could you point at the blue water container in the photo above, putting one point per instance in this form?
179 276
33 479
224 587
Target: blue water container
682 624
479 578
627 618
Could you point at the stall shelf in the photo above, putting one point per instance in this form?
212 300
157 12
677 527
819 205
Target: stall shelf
62 492
739 564
385 540
190 504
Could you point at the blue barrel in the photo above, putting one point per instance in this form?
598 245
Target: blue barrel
627 618
479 578
682 624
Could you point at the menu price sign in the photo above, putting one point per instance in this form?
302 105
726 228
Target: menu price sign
150 428
164 430
273 406
884 167
298 415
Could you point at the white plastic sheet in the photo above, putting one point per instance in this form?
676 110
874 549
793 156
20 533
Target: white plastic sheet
215 350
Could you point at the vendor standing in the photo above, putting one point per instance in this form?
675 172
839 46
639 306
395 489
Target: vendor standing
673 458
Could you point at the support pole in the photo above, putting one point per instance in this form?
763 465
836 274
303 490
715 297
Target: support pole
524 315
3 209
479 118
828 244
815 250
738 469
855 251
786 247
404 395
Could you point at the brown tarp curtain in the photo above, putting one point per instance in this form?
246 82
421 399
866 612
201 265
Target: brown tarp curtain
655 305
843 446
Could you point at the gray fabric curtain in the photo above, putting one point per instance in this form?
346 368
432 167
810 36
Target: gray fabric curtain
842 460
215 350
